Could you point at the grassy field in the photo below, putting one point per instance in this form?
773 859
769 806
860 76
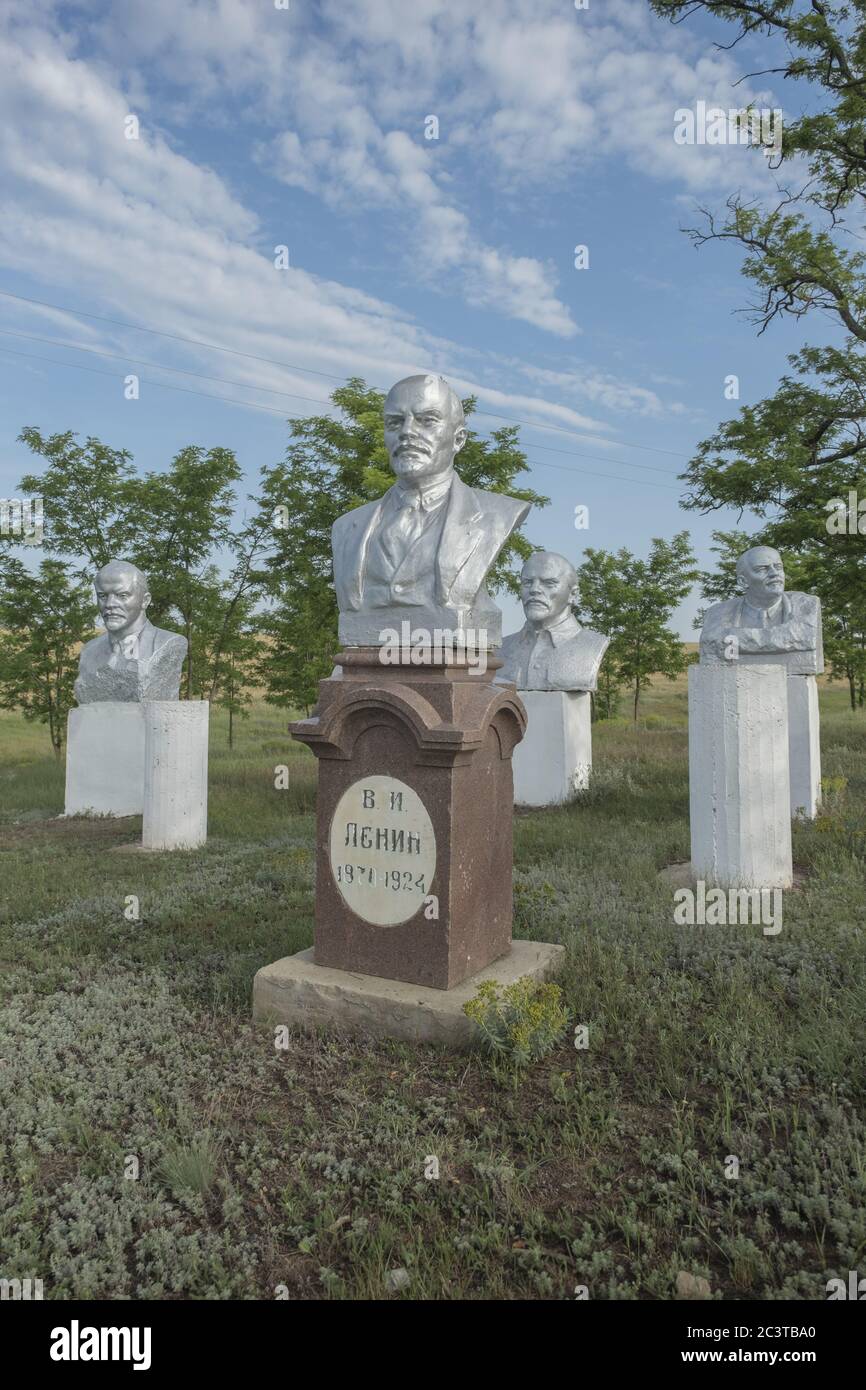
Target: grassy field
126 1048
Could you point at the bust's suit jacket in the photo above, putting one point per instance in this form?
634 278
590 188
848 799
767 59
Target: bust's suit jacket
156 668
96 652
798 630
476 526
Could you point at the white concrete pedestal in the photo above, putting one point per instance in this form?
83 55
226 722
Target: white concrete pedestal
804 746
105 759
175 774
739 781
554 758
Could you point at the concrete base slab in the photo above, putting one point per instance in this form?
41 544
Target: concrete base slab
297 992
682 875
143 849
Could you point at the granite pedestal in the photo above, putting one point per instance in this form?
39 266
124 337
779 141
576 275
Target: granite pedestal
413 849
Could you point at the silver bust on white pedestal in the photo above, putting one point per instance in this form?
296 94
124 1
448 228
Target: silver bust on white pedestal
131 663
766 624
551 651
132 659
554 663
761 630
423 550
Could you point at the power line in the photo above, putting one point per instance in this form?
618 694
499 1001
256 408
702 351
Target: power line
276 410
593 473
599 458
274 391
160 333
161 366
329 376
164 385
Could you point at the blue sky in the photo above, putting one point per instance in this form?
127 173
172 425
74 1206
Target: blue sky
261 127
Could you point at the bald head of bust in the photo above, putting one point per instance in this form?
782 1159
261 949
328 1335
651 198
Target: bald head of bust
761 575
548 588
122 597
424 429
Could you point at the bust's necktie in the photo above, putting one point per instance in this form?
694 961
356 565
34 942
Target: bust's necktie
125 647
403 529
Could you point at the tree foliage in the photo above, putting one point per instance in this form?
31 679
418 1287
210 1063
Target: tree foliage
792 457
44 617
632 600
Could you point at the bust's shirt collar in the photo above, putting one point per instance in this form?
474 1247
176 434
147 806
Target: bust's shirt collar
778 612
566 628
427 498
128 645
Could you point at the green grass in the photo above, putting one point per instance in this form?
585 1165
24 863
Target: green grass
127 1049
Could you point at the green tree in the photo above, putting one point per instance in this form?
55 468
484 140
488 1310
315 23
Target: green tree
789 458
331 466
227 647
88 491
184 518
176 525
44 617
633 601
600 607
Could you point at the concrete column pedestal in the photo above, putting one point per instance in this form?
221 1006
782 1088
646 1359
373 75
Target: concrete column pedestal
555 758
105 759
739 779
804 746
175 774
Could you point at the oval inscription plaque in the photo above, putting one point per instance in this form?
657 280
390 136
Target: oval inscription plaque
383 850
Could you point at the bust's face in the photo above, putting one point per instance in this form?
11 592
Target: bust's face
764 575
420 435
120 598
547 589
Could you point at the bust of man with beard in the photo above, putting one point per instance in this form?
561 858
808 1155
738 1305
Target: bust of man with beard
132 660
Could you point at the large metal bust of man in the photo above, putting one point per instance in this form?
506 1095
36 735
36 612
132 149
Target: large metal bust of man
764 624
422 551
551 651
132 659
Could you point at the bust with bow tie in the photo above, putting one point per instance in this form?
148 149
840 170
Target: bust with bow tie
423 550
132 659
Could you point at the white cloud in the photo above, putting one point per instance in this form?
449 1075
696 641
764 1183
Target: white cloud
143 230
582 380
527 92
